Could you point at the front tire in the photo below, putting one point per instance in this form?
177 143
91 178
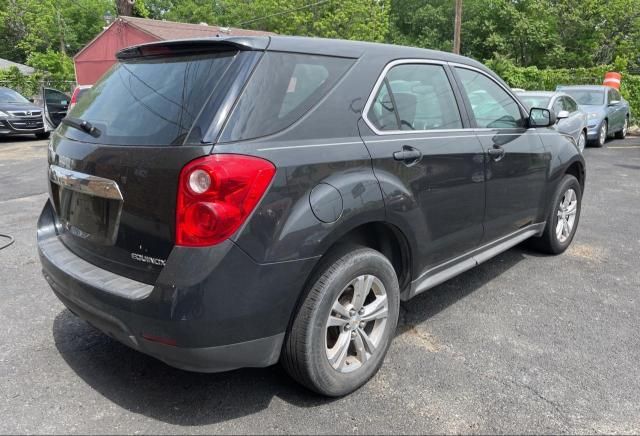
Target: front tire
563 217
603 133
621 134
582 141
341 334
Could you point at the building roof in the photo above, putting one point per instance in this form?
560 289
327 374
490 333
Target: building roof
6 64
172 30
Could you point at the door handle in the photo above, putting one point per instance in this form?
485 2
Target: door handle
496 152
408 155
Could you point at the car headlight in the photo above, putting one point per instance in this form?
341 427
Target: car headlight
593 115
4 115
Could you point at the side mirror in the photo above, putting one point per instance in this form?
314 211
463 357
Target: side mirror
31 99
563 114
614 102
539 117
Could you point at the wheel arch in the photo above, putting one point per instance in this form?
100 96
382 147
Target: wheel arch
382 236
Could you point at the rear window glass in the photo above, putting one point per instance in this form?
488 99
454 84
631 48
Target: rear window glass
535 100
150 101
586 97
283 88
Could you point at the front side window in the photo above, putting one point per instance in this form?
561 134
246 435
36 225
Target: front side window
491 105
570 104
415 97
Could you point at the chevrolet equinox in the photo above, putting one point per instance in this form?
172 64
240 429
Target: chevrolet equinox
237 202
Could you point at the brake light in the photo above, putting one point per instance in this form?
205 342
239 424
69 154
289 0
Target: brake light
74 96
216 194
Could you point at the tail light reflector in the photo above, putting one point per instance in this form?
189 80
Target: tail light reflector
216 194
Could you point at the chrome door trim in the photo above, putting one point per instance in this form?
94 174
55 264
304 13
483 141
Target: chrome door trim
484 73
377 86
85 183
451 268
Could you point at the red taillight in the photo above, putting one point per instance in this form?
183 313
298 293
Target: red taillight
216 194
74 96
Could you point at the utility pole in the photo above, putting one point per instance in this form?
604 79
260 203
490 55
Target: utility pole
125 7
457 27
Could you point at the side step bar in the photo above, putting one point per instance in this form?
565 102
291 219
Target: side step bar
441 273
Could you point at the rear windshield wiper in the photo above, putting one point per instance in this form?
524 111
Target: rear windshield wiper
83 125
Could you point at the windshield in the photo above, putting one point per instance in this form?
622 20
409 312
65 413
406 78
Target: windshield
586 96
150 101
10 96
535 100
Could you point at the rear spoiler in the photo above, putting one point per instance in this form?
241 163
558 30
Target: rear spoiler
199 45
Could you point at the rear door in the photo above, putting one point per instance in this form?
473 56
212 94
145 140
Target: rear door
429 164
56 104
516 160
114 189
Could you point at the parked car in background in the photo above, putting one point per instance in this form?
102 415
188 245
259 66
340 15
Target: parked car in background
54 104
78 92
19 116
571 119
608 113
234 202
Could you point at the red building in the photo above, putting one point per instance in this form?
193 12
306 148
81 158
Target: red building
97 56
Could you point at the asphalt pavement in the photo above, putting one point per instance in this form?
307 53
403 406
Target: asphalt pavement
524 343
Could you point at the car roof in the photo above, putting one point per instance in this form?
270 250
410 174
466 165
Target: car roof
586 87
312 45
537 93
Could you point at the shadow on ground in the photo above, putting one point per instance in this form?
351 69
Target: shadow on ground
144 385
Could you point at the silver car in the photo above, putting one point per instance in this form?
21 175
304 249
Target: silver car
608 112
571 119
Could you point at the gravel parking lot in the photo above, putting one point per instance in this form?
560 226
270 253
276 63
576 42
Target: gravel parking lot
523 343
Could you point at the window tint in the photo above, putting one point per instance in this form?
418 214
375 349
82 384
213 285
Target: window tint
586 96
421 98
283 88
492 106
10 96
570 104
614 95
55 97
150 101
535 100
559 105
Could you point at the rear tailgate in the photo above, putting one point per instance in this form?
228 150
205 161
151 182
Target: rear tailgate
114 189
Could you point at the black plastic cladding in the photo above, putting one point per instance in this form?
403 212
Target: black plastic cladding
456 198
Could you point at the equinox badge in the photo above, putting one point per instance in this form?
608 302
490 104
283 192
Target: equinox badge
147 259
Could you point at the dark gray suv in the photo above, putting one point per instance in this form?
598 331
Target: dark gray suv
225 203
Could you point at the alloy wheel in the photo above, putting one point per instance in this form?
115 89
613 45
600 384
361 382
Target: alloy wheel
582 141
625 127
603 133
356 324
567 211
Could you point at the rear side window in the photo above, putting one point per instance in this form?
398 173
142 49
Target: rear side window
415 97
492 106
283 88
150 101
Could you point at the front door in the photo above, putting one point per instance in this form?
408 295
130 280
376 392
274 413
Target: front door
516 160
56 104
429 164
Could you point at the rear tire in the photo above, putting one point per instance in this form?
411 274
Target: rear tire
340 335
43 135
622 133
562 219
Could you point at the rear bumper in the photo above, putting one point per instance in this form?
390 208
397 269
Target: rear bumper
218 308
